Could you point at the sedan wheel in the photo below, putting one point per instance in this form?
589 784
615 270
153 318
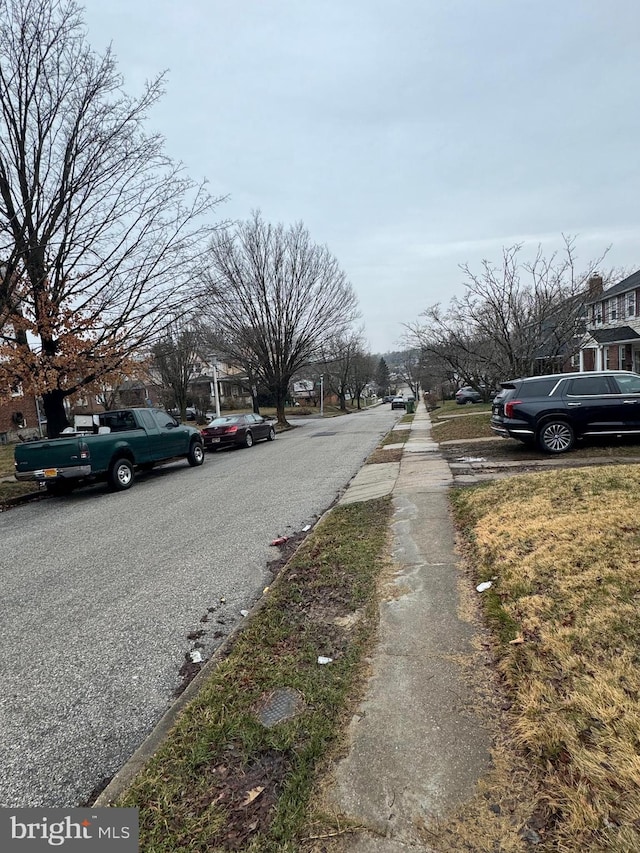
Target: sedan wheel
272 434
248 439
556 437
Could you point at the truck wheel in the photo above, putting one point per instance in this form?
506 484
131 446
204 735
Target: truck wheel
556 437
121 475
195 456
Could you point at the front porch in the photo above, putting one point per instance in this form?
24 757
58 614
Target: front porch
610 349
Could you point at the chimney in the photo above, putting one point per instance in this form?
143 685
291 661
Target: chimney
595 286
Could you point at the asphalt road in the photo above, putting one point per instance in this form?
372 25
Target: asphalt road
100 592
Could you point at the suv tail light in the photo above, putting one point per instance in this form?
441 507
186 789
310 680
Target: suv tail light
508 407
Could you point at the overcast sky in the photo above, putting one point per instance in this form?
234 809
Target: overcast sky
410 136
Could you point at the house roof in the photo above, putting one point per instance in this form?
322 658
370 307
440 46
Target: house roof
614 336
629 283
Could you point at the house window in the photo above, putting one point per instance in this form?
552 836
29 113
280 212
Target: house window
16 389
612 310
605 355
631 304
621 306
621 358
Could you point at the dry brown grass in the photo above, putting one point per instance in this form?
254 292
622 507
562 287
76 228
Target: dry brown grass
563 552
476 425
6 460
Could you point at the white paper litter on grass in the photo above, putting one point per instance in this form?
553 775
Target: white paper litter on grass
323 659
482 587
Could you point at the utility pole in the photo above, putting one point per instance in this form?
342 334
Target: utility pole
322 395
216 395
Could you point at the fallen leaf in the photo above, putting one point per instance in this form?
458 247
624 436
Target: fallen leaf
253 794
517 641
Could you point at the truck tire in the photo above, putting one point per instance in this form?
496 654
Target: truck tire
121 475
195 456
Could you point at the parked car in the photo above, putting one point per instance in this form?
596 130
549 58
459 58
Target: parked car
237 430
398 403
467 394
388 398
555 411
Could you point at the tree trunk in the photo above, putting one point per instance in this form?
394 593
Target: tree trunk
53 402
281 398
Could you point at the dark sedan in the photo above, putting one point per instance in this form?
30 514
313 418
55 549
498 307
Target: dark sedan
237 431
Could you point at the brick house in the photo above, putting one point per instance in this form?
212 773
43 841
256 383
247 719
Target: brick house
18 416
612 336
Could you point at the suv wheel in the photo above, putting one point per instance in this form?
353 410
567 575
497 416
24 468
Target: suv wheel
556 437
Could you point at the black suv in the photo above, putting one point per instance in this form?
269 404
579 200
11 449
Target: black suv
554 411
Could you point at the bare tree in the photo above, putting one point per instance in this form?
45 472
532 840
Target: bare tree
101 234
174 357
509 318
363 368
275 297
338 356
409 370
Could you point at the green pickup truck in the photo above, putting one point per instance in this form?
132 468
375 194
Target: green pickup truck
120 442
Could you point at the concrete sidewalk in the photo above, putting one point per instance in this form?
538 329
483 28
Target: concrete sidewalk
416 744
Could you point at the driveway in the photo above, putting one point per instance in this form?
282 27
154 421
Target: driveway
104 594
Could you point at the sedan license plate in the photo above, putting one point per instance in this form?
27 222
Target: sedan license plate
215 440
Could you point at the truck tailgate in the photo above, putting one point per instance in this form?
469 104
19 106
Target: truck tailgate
56 452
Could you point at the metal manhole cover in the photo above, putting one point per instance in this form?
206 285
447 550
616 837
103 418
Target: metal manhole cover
278 705
316 434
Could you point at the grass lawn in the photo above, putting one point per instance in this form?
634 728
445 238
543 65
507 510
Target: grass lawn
11 489
562 552
469 425
225 781
6 460
450 407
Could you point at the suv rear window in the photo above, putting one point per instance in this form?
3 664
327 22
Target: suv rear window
538 387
